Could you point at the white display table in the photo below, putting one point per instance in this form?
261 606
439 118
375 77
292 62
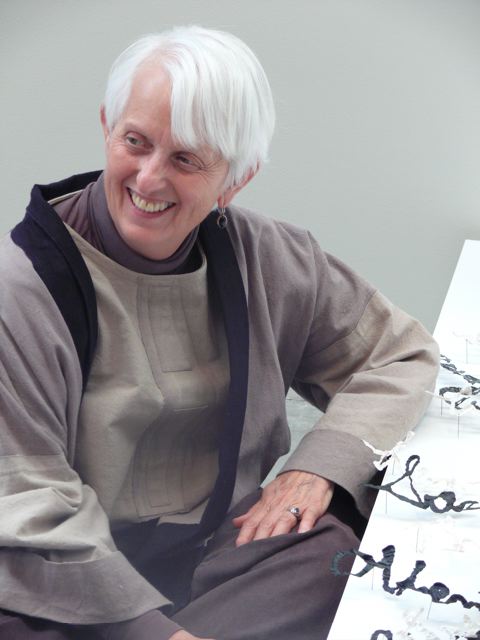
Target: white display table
449 543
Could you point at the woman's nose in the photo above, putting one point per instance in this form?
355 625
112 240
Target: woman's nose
152 174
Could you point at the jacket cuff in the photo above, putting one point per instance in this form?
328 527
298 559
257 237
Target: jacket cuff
344 460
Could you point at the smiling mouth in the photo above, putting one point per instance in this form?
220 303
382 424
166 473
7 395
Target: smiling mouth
148 206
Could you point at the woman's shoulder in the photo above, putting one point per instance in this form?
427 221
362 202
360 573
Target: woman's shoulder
267 233
253 220
16 268
291 252
22 287
287 256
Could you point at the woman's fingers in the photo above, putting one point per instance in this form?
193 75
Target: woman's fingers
310 517
270 516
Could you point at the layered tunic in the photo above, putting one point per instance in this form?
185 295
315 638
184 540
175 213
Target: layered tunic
82 454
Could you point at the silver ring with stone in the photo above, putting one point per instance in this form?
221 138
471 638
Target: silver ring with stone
295 511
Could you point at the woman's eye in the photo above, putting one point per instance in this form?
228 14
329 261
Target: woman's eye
187 162
133 141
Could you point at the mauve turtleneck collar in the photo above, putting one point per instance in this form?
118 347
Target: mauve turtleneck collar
87 213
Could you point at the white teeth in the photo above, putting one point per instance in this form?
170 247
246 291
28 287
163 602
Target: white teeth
149 207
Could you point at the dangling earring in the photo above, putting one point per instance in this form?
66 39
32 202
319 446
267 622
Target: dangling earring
222 219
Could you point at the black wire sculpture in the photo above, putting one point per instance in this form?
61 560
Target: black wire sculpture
465 393
448 364
438 592
446 498
386 634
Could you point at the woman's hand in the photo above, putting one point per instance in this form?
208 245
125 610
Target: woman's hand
270 515
184 635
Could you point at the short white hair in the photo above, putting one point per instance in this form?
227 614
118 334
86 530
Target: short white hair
220 96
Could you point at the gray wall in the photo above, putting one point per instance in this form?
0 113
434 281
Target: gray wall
378 143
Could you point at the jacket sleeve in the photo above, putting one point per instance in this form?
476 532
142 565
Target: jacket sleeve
367 365
57 558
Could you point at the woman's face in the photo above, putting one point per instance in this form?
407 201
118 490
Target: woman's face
157 191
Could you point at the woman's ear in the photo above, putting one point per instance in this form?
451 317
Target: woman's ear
103 120
227 196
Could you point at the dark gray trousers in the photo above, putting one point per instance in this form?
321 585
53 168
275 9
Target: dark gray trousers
279 588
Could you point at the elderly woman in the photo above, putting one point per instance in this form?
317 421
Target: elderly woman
150 334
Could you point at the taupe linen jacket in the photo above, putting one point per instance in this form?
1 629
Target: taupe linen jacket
313 325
